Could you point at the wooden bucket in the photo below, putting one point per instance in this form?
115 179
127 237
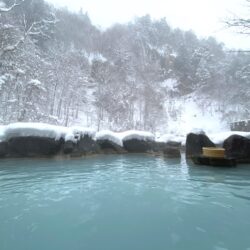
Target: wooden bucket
213 152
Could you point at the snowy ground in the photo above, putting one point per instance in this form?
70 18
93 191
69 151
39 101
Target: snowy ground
189 116
194 118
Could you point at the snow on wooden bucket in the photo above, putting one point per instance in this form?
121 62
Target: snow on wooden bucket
213 152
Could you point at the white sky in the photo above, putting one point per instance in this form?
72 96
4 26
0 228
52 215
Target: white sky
204 17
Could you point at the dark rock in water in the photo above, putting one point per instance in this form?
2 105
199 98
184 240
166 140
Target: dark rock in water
195 143
174 144
213 161
85 146
169 149
109 147
33 146
138 146
238 147
69 147
3 149
172 152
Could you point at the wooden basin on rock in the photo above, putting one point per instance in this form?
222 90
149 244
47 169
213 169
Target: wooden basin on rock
214 157
213 152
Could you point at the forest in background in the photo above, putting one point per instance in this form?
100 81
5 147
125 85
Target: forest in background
57 67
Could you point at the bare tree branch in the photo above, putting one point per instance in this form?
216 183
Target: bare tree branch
16 3
241 24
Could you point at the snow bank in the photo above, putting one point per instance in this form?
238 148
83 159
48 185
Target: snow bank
110 136
120 137
75 133
172 138
139 135
68 134
218 138
43 130
192 119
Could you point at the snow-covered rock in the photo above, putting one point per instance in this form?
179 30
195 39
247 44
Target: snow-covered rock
132 140
138 141
43 130
76 132
138 135
110 136
120 137
39 139
219 138
35 139
171 138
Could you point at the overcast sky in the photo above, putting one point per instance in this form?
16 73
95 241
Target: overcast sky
204 17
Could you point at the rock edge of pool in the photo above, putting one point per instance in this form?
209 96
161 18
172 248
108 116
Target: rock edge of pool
18 145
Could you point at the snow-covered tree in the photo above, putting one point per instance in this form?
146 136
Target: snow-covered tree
57 67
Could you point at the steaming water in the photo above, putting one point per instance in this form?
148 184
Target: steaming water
134 202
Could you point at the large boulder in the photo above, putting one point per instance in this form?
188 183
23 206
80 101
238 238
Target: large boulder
33 146
110 147
4 149
195 143
168 149
138 146
238 147
172 152
173 144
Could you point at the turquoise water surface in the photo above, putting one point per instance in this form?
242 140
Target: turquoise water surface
130 202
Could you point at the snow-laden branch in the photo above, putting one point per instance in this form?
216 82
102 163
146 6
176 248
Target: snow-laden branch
36 28
242 25
7 9
11 47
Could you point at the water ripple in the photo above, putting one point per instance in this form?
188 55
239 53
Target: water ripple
125 191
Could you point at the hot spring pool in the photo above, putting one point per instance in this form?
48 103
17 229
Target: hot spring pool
130 202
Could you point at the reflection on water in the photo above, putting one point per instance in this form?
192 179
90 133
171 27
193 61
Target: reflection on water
122 202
